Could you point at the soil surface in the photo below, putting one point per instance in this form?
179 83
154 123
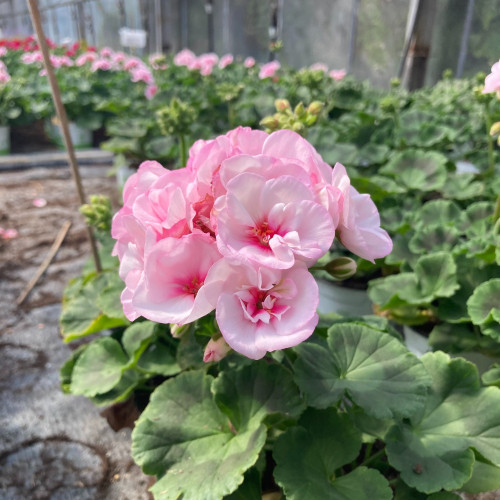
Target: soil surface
52 446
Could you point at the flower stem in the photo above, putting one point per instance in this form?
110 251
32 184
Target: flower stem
182 140
496 213
491 159
373 457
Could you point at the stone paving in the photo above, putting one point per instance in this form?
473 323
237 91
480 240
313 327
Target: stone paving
52 446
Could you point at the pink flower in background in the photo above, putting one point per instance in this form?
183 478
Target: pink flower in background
319 66
249 62
3 51
4 76
132 63
260 309
102 64
184 58
269 69
172 287
88 57
39 202
106 52
492 81
32 57
9 234
338 74
118 58
142 74
150 91
226 60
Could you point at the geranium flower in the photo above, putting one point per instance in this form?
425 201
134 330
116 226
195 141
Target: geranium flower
492 81
171 289
249 62
260 309
273 223
269 69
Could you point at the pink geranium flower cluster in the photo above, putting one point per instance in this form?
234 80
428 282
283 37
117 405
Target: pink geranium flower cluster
4 73
236 231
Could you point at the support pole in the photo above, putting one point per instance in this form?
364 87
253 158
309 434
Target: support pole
63 119
418 43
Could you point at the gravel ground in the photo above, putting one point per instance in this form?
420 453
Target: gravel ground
52 446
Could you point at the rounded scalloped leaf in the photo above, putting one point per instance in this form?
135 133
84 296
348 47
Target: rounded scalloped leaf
439 212
373 368
418 170
462 187
186 439
434 449
99 368
433 239
308 455
484 304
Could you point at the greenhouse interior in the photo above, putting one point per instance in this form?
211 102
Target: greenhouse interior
166 332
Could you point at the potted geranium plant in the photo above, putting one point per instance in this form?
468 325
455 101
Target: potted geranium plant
251 392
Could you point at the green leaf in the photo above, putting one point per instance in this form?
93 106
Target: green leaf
136 336
256 391
307 458
433 449
386 292
250 489
67 369
159 359
99 368
485 477
436 275
418 170
81 314
183 437
433 239
492 376
462 187
484 303
439 213
120 392
376 370
108 299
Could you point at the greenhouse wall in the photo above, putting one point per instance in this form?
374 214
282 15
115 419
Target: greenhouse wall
366 37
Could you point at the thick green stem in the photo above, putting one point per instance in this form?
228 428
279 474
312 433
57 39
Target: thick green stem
182 141
496 213
491 158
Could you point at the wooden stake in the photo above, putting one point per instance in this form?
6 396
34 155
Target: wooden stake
46 262
63 119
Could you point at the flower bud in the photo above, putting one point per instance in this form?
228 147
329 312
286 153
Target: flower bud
300 110
281 104
177 331
341 268
315 108
298 127
270 122
215 350
495 129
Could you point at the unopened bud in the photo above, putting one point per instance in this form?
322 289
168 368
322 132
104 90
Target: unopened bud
341 268
177 331
495 129
215 350
298 127
270 122
300 110
281 104
315 108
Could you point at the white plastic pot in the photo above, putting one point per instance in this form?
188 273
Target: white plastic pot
466 167
4 140
343 300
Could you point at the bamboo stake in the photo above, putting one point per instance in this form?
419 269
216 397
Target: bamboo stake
46 262
63 119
